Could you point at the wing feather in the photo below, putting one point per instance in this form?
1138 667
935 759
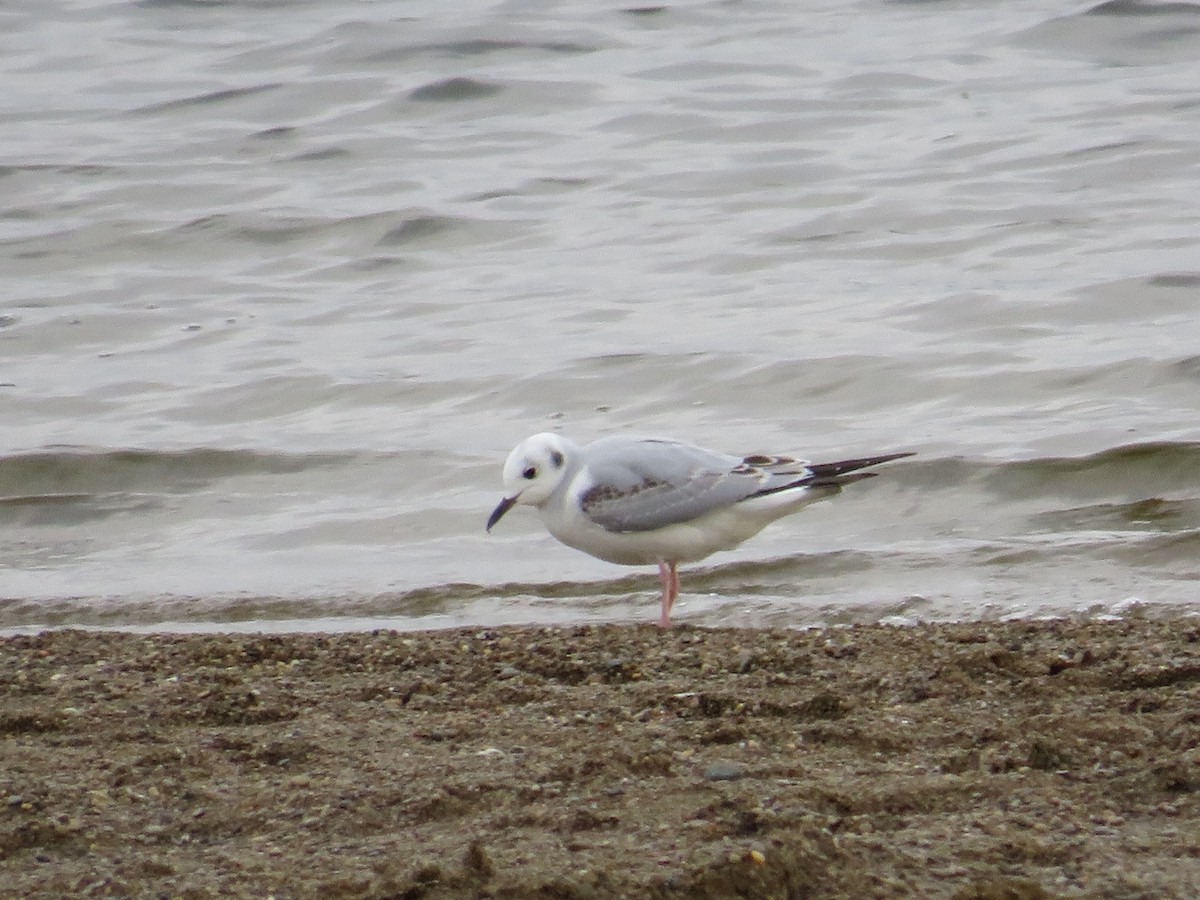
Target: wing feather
644 484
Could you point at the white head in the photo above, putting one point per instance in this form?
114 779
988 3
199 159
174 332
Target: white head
532 471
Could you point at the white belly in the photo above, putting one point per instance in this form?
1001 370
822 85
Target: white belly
721 529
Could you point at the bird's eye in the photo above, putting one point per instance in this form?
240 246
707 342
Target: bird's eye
529 474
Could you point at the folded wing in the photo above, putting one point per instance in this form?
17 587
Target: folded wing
644 484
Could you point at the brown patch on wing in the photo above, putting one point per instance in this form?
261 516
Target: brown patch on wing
603 493
757 463
758 459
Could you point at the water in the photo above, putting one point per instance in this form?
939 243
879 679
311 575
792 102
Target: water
284 282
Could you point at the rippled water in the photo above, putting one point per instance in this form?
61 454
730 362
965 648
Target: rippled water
284 282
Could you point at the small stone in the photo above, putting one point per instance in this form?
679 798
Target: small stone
477 860
724 771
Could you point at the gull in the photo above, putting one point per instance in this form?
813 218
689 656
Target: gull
646 501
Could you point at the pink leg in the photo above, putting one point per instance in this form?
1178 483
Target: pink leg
668 577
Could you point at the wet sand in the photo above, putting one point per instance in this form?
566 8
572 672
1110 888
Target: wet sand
1014 760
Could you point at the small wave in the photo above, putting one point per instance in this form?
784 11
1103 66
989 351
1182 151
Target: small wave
88 170
1122 32
1160 550
419 228
216 4
210 97
68 474
476 47
489 46
1175 280
1146 470
427 230
1150 514
1139 8
449 90
264 229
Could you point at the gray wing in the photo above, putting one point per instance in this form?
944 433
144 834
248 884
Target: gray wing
643 484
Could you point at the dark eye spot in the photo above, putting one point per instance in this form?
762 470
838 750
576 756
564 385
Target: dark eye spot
529 474
557 459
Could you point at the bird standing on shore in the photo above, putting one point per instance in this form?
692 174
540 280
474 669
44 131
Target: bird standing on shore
644 501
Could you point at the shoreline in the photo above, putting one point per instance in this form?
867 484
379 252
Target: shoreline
1040 758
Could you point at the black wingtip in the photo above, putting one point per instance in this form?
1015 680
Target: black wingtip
822 471
836 474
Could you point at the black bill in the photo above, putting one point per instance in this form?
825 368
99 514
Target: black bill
498 513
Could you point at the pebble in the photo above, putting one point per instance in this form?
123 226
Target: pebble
724 771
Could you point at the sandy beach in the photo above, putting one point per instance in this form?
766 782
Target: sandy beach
989 760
